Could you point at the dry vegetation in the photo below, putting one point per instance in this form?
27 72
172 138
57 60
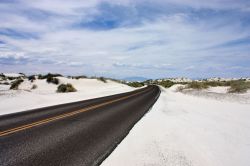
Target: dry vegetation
64 88
235 86
239 87
135 84
15 84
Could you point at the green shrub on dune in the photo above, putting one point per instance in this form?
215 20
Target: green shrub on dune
166 83
15 84
197 85
48 75
64 88
31 78
53 80
135 84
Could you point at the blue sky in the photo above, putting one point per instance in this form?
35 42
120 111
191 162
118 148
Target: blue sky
124 38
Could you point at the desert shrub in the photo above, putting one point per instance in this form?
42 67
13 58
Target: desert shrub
3 78
150 81
236 86
6 83
239 86
63 88
222 83
2 75
197 85
48 75
79 77
102 79
166 83
183 83
55 75
31 78
11 78
22 74
135 84
34 86
15 84
214 83
49 79
53 80
40 76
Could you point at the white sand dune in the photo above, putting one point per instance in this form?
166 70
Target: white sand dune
208 128
188 130
45 94
12 74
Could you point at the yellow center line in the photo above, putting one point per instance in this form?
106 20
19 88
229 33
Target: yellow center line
47 120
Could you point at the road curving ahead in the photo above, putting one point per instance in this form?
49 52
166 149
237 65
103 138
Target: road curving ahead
78 133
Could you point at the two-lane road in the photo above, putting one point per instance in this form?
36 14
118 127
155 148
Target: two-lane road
79 133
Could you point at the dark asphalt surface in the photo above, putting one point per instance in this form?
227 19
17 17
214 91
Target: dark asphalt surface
86 138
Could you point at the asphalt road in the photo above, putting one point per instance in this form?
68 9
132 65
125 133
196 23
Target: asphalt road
79 133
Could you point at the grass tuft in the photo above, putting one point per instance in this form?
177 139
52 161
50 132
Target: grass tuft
197 85
239 87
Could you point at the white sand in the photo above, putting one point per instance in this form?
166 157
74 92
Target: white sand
218 89
12 74
185 130
45 95
180 130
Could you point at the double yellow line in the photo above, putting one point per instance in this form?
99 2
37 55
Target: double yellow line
65 115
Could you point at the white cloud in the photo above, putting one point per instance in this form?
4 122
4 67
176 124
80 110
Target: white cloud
177 39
